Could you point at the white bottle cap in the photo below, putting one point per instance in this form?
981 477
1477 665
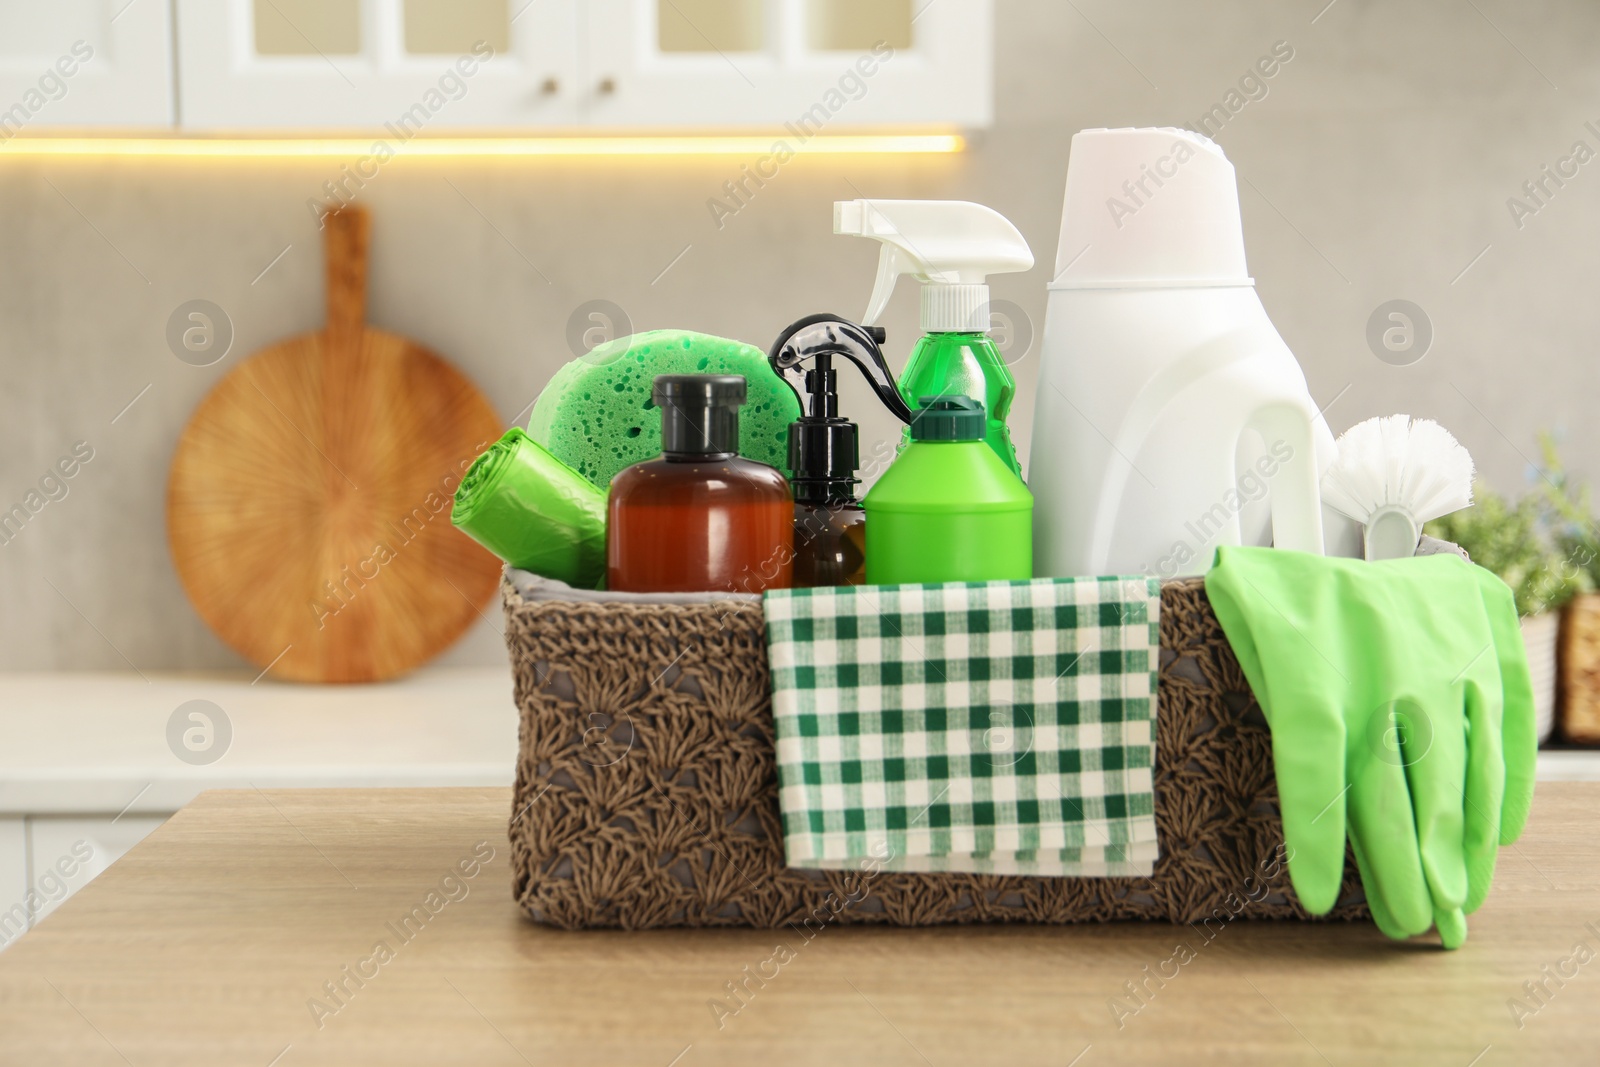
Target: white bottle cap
1149 208
950 246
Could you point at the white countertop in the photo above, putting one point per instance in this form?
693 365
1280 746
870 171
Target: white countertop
1569 765
97 742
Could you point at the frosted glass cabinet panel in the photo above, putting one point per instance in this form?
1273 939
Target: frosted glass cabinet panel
855 25
444 27
711 25
838 65
357 65
307 27
78 63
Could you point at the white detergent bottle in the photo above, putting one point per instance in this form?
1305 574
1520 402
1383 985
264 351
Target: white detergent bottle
1170 417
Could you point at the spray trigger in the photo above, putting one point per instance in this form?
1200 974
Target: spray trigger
950 246
819 338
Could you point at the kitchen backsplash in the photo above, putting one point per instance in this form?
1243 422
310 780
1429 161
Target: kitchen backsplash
1363 174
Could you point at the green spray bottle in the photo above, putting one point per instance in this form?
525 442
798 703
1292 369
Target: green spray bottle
951 247
947 509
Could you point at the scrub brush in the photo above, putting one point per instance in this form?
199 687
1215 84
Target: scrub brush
1393 474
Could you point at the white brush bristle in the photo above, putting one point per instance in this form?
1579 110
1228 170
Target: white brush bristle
1398 461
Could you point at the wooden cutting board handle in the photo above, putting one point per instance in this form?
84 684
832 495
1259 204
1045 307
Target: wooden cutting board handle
345 246
347 372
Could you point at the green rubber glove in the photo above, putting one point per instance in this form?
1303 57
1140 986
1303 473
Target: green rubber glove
1401 714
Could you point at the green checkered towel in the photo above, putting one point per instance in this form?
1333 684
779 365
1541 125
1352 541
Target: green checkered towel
997 728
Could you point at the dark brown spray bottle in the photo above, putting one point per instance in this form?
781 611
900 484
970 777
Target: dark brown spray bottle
824 449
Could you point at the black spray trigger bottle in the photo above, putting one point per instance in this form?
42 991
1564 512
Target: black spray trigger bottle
824 449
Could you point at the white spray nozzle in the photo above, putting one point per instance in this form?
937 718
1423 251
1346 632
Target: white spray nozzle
950 246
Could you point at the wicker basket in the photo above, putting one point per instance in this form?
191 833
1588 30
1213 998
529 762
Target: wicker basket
646 791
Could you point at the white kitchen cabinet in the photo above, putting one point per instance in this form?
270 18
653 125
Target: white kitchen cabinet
803 65
13 880
84 63
602 65
82 747
67 853
391 68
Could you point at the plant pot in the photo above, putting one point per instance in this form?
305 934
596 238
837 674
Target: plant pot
1580 670
1539 635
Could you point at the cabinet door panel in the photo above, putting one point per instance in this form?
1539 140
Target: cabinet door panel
66 853
805 65
383 66
77 63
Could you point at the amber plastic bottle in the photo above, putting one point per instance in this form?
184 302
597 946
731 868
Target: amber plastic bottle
830 542
699 518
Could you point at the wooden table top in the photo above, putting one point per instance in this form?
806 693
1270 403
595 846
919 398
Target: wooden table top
212 943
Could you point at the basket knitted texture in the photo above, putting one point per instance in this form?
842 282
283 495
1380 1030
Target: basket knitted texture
647 793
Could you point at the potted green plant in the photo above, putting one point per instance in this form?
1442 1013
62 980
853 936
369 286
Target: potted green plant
1569 512
1514 541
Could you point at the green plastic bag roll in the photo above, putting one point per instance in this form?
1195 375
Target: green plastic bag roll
534 512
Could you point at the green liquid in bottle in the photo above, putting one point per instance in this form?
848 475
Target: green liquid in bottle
968 364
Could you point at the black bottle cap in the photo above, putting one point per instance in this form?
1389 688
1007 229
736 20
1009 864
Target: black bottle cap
824 449
949 418
699 413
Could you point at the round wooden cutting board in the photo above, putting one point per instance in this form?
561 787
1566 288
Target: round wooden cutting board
308 508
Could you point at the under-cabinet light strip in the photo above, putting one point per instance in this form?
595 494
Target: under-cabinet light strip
481 147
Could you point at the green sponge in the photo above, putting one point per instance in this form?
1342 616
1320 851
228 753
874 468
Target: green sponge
596 415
